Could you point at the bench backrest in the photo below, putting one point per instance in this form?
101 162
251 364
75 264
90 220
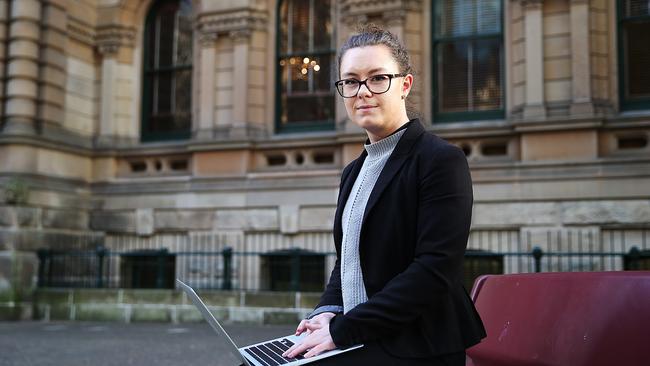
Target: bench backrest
572 319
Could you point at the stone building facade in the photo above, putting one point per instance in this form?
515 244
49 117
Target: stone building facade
562 155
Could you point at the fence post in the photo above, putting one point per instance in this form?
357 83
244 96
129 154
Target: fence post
295 269
633 259
537 255
227 265
101 252
42 255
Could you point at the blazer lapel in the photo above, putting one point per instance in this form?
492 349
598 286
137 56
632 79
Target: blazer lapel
393 164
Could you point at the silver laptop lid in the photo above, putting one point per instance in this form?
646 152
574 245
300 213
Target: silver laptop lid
234 351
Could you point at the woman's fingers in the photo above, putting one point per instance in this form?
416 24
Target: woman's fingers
297 349
302 327
312 326
318 350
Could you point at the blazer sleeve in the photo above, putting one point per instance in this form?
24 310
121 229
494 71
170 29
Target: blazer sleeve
443 222
332 299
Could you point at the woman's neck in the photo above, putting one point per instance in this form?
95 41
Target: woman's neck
379 135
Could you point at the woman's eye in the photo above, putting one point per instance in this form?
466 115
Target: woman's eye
378 78
349 82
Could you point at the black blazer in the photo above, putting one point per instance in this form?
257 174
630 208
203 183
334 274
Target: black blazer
413 237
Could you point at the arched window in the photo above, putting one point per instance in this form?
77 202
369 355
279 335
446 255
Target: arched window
167 71
305 62
467 60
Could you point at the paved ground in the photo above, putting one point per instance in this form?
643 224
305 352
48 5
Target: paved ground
104 344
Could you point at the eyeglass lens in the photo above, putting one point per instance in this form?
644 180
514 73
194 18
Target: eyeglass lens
375 84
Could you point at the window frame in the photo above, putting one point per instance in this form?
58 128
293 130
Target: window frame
466 116
302 126
624 103
147 85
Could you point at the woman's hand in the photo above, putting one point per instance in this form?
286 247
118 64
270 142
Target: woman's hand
317 322
317 342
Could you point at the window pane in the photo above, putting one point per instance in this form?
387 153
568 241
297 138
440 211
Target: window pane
486 75
298 78
183 91
163 93
453 76
456 18
284 30
637 59
308 107
322 73
488 19
637 8
322 25
184 42
166 23
300 26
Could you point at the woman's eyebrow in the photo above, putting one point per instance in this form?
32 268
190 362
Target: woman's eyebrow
370 72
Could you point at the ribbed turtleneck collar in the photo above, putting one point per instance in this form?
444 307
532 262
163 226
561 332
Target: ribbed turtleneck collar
384 146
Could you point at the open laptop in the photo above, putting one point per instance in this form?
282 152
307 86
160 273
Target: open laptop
267 353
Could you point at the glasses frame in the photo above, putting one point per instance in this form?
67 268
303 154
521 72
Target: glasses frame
363 82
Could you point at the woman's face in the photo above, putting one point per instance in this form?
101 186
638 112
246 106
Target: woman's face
376 113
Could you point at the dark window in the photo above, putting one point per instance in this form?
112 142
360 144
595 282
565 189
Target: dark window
305 95
167 79
148 269
467 60
293 270
478 263
634 54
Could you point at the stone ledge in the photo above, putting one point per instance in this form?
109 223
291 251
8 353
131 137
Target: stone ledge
142 305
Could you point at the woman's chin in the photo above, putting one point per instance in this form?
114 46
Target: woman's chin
366 122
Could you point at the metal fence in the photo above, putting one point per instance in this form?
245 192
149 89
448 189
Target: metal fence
273 267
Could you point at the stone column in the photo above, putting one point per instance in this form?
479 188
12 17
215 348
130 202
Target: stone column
239 25
20 104
53 62
581 103
535 107
241 45
110 40
205 127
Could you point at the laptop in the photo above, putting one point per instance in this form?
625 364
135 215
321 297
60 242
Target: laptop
267 353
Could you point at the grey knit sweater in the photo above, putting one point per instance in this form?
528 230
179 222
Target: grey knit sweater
352 287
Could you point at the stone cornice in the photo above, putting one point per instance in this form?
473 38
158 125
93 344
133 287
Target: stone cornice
532 4
111 37
81 31
236 22
391 11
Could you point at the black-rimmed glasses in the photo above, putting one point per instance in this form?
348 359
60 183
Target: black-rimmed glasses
376 84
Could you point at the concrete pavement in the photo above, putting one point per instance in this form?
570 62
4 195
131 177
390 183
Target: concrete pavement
104 344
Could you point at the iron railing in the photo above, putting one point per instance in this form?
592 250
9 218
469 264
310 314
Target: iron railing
292 269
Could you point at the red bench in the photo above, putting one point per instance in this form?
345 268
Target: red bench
568 319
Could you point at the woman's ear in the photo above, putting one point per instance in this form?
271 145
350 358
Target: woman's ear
407 84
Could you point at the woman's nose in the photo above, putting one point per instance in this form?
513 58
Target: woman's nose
363 89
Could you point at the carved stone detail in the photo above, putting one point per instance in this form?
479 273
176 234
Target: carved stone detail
393 12
81 31
110 38
208 39
532 4
232 22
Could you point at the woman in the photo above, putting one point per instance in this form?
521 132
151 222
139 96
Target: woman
400 228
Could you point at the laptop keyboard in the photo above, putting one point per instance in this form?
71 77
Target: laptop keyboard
270 353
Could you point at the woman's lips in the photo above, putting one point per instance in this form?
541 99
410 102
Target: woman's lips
366 107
